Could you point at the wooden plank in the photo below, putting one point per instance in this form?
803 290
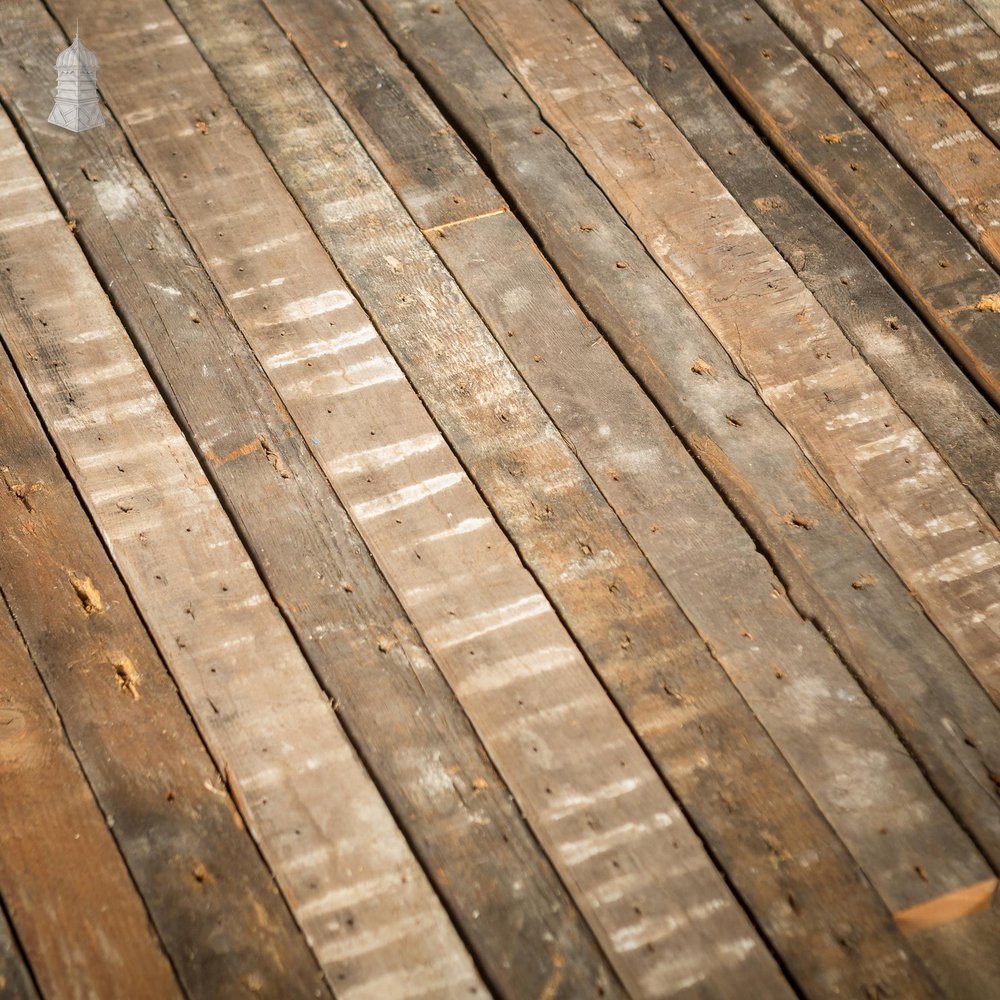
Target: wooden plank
956 47
901 350
209 894
462 583
78 915
988 11
907 667
857 178
274 112
883 469
396 706
321 823
15 978
892 93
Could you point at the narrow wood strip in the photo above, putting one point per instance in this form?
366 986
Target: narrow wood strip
401 715
320 821
937 269
907 667
391 265
956 47
883 469
457 575
948 908
79 917
904 106
15 978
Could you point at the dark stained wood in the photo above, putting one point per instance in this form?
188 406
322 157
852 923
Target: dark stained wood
937 269
956 47
896 343
392 700
321 823
15 977
78 916
479 611
274 111
904 106
907 667
878 463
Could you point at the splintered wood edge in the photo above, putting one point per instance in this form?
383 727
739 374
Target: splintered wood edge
948 908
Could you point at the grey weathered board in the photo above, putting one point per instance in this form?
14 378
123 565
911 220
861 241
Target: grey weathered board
271 729
917 120
943 277
492 109
16 982
78 915
274 110
956 47
483 615
934 534
209 894
900 348
391 699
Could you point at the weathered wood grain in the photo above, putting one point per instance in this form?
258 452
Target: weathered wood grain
210 896
901 350
320 821
477 608
904 106
988 10
857 178
399 711
79 918
457 349
908 668
956 47
15 978
883 469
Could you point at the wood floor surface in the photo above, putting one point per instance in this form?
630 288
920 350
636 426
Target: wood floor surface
500 498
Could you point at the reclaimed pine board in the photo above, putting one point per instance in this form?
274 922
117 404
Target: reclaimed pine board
478 610
78 916
535 320
859 181
398 710
904 106
15 977
319 820
988 10
208 892
590 607
883 469
913 674
901 350
956 47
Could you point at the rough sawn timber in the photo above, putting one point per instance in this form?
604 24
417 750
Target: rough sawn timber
901 350
272 731
208 892
78 916
477 609
908 668
596 612
882 468
864 187
927 132
400 713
